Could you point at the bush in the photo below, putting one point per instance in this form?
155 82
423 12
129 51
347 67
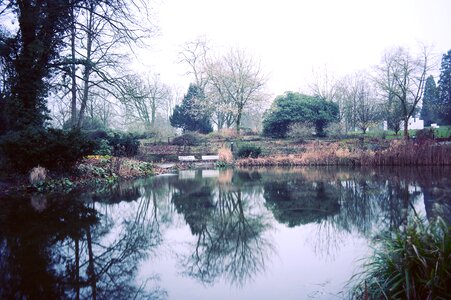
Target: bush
424 134
123 144
249 150
188 139
52 149
335 130
300 131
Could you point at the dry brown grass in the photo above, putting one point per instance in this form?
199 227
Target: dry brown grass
225 155
38 174
399 153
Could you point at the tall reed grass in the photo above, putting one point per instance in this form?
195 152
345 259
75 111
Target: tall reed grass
414 263
399 153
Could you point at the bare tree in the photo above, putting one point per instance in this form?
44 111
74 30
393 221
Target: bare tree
237 81
143 97
367 109
100 32
403 77
324 84
194 53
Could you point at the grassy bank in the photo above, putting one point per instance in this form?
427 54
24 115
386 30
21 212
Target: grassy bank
396 153
91 170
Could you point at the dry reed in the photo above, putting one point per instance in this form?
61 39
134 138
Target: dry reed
225 155
38 174
399 153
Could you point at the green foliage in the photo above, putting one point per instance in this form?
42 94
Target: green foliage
123 144
248 150
410 264
57 185
188 139
189 115
298 108
53 149
430 109
114 143
221 164
444 89
31 52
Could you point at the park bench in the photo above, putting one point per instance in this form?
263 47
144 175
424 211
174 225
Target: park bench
187 158
210 157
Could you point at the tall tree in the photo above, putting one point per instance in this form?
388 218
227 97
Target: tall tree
238 82
94 59
403 76
430 110
41 26
444 88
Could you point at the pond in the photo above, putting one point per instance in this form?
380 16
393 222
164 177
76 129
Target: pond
211 234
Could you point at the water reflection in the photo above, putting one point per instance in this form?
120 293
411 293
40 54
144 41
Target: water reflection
95 245
64 249
230 241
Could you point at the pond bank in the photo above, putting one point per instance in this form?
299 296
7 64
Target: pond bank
398 153
91 171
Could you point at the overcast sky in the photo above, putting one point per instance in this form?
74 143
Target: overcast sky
292 37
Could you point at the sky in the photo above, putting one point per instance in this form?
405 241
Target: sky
293 38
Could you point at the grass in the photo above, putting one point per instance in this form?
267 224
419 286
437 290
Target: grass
396 153
414 263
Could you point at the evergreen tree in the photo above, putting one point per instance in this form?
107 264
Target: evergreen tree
444 89
430 110
31 51
189 115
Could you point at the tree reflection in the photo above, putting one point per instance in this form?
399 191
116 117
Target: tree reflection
63 251
230 237
297 201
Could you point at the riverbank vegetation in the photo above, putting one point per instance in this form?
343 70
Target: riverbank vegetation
411 263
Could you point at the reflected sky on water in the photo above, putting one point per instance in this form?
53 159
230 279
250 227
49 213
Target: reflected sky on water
211 234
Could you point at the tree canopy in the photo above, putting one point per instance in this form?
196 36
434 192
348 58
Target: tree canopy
293 108
444 88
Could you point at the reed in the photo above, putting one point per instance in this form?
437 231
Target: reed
225 155
411 264
398 153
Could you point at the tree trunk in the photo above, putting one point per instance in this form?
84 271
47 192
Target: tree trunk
73 114
406 128
88 67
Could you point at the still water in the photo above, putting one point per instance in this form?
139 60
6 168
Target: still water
211 234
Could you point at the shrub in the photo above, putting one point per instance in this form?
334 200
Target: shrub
123 144
225 155
53 149
335 130
300 131
248 150
409 264
103 147
424 134
188 139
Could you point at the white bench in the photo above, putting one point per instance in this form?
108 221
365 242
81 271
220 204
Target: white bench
210 157
187 158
